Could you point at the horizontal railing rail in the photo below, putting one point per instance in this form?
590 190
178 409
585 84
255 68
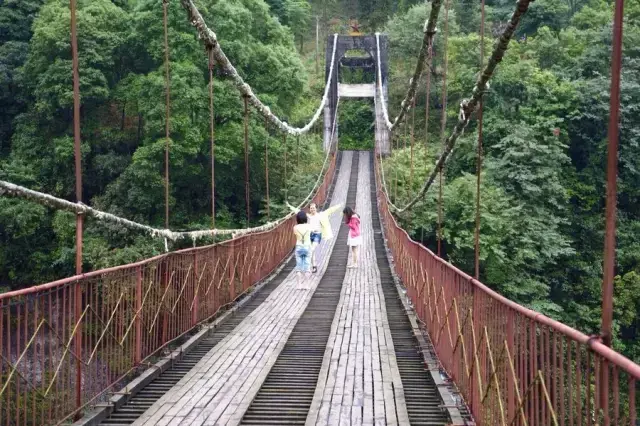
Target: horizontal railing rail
512 365
120 317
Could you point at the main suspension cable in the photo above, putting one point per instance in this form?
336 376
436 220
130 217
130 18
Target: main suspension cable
211 42
429 32
467 106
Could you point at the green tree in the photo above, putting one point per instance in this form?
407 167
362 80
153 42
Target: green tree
122 86
298 13
16 17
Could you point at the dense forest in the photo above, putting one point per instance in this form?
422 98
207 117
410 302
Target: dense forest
543 176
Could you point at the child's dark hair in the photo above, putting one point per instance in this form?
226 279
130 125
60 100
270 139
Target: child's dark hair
301 217
347 212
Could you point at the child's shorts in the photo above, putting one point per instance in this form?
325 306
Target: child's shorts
302 258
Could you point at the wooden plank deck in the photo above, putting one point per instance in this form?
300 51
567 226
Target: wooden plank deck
359 383
221 386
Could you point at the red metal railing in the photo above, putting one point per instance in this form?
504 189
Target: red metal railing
512 365
128 314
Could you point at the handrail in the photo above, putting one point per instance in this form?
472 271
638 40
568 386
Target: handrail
474 328
613 356
129 313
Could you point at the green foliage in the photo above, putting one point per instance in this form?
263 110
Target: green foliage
122 85
47 71
546 116
355 124
16 17
549 13
542 204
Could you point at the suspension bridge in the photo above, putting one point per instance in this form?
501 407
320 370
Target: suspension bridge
227 334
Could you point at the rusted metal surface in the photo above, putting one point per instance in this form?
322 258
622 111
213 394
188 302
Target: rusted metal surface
212 132
286 186
511 364
612 174
246 159
413 126
443 122
479 156
266 169
78 176
429 61
127 314
167 118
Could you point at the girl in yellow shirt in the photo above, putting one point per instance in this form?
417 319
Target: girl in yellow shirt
302 232
320 227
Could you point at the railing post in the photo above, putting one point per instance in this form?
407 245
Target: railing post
215 296
138 314
232 270
511 381
165 319
194 313
78 342
475 370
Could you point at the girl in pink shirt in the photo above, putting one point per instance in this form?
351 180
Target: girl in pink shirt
352 220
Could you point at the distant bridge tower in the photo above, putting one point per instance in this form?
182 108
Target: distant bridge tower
368 44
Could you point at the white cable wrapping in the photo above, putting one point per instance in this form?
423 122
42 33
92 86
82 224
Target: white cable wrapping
211 42
12 190
385 113
429 31
467 106
384 182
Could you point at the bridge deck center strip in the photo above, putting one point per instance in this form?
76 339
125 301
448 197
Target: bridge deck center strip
215 389
360 383
285 395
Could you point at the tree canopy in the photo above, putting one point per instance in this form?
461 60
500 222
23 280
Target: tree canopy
122 85
543 178
546 117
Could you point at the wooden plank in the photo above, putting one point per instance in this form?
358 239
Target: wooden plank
221 386
362 382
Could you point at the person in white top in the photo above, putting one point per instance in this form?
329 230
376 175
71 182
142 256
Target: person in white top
320 227
302 232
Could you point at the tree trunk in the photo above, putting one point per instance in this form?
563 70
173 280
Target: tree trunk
123 116
139 128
